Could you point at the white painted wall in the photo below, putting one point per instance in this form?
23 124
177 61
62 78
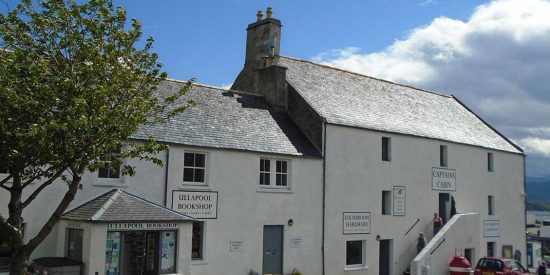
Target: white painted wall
356 176
244 208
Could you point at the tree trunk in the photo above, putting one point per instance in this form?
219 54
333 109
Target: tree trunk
19 263
19 259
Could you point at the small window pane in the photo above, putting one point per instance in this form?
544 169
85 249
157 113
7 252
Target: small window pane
197 241
490 162
386 145
199 160
354 252
188 174
103 172
189 159
199 175
443 156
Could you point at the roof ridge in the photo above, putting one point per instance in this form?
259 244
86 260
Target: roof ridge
156 205
214 87
363 75
106 205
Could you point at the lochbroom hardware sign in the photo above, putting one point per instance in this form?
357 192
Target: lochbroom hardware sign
356 223
443 179
197 204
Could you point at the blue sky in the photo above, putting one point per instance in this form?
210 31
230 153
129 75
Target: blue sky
492 55
206 39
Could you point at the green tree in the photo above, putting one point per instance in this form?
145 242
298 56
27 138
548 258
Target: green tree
74 86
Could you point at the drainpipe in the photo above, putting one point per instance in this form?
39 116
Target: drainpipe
166 177
324 194
525 207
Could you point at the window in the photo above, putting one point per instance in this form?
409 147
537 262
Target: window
5 247
386 149
443 155
386 202
168 252
265 171
491 249
281 173
194 167
197 251
490 162
110 169
355 253
490 205
3 170
277 178
74 244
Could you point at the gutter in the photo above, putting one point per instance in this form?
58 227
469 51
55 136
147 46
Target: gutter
166 177
324 196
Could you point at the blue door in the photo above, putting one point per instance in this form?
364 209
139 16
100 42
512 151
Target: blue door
273 249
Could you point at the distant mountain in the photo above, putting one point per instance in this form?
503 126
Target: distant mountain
538 193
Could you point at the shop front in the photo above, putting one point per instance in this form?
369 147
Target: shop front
119 233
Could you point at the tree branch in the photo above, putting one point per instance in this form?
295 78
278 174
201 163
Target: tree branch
4 181
42 186
56 215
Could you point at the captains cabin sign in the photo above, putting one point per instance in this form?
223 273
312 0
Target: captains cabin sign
443 179
197 204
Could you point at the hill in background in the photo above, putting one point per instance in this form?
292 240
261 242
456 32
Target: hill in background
538 193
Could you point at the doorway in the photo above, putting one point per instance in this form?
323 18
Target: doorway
444 206
385 258
469 255
273 250
141 253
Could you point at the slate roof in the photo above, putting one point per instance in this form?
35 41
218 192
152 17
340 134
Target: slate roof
223 119
351 99
120 206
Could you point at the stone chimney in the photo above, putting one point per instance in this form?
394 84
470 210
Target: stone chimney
261 75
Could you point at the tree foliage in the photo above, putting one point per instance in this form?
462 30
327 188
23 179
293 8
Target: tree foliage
73 87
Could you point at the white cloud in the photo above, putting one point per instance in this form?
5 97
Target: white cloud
536 146
428 2
497 62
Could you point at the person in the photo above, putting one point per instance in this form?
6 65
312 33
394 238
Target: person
438 223
421 243
542 269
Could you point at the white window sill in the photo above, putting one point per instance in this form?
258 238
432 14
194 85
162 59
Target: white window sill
355 267
190 186
274 190
110 182
199 262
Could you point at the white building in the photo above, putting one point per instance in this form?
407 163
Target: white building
300 166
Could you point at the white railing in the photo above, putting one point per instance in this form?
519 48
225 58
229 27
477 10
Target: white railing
462 231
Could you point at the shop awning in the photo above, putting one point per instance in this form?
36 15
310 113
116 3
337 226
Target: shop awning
120 206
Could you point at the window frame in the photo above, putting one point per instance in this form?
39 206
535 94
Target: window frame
274 173
386 149
201 242
443 156
355 266
491 205
386 203
205 169
110 181
490 162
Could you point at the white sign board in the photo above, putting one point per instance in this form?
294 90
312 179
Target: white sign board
491 228
356 223
197 204
75 225
399 200
443 179
235 246
138 226
295 242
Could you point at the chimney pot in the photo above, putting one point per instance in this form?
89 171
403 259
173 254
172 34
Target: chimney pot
269 12
259 15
